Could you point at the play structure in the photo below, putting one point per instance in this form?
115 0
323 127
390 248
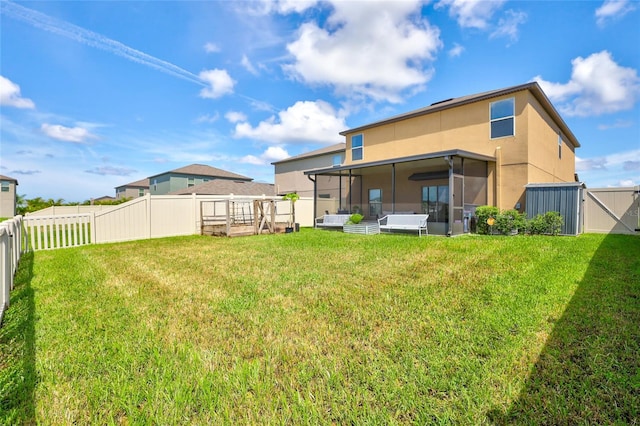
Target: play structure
233 218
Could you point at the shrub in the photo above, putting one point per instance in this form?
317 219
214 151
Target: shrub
509 221
355 218
550 223
482 214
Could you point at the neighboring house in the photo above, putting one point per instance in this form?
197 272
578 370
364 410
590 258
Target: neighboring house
8 196
227 187
289 176
135 189
450 157
189 176
103 199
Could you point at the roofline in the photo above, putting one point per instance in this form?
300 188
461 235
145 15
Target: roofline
313 154
533 87
450 153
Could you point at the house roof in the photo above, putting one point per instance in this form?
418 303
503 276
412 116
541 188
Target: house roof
339 147
226 187
431 155
142 183
533 87
10 179
204 170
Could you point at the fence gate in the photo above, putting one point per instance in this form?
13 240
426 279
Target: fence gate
612 210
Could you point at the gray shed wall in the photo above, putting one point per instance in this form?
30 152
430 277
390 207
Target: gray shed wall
567 200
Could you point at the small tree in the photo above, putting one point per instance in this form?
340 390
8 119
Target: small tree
293 197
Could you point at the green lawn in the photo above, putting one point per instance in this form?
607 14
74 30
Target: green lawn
322 327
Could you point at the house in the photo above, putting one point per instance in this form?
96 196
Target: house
8 196
189 176
135 189
289 173
450 157
227 187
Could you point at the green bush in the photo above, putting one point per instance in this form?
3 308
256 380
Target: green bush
482 214
549 223
509 221
355 218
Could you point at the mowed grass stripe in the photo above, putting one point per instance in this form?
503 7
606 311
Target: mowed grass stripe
313 327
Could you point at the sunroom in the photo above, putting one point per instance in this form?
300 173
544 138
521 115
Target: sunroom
447 185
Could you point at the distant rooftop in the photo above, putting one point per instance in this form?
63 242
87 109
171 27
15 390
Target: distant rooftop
204 170
226 187
339 147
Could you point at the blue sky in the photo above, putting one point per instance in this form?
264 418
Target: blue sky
96 94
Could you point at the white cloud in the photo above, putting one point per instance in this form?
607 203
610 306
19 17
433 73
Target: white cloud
280 6
618 124
235 116
10 95
219 83
211 47
246 63
273 153
303 122
456 50
111 171
598 85
508 25
613 9
376 52
472 13
208 118
67 134
626 183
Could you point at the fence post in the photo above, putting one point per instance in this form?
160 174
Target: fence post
148 216
94 231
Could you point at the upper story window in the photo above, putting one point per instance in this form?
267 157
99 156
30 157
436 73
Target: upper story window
141 192
337 160
191 182
155 185
5 186
503 118
356 147
560 145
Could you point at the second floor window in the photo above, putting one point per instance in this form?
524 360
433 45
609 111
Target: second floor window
503 118
356 147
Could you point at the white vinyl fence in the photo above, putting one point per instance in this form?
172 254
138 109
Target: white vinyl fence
10 252
146 217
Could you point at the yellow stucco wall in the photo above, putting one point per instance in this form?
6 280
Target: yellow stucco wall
529 156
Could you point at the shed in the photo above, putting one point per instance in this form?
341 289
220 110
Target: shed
565 198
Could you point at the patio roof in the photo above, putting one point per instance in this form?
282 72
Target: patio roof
431 155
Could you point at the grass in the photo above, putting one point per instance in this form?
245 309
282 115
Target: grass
326 328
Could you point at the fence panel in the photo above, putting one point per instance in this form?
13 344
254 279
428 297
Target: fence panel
128 221
11 235
59 231
612 210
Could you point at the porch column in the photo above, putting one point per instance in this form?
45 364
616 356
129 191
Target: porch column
393 187
350 192
449 160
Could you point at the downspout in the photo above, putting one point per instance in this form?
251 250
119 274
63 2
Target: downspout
315 209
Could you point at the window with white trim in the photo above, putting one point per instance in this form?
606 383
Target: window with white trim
503 118
560 145
356 147
5 186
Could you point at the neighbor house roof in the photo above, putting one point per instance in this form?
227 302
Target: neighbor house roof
339 147
533 87
142 183
10 179
226 187
204 170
